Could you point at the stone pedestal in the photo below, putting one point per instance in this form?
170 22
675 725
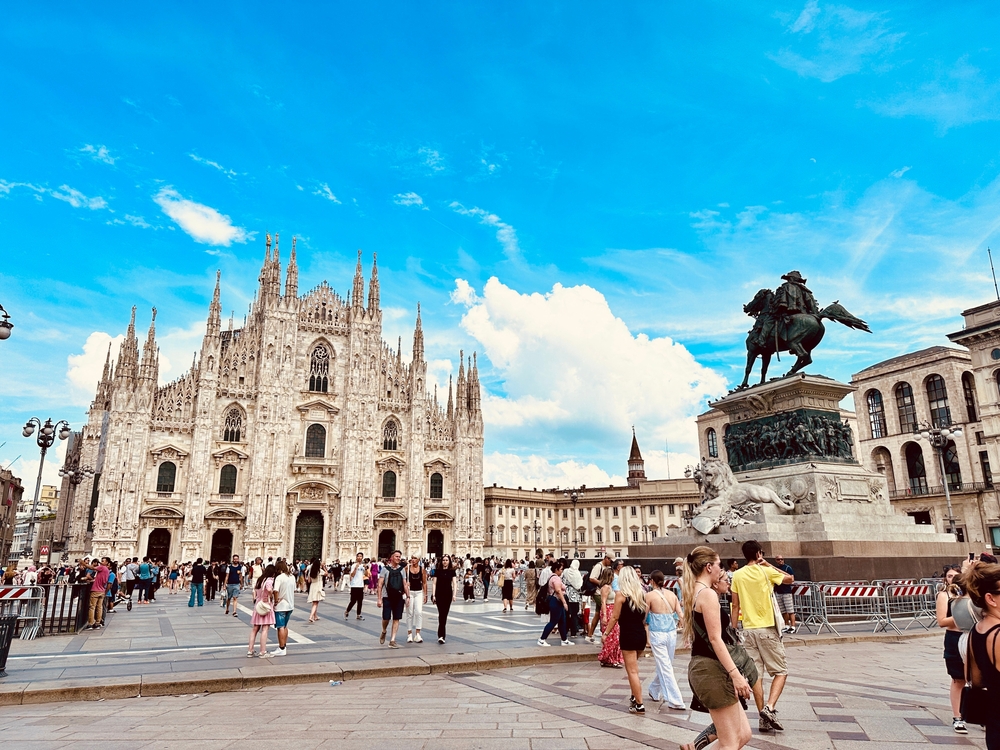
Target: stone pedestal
792 443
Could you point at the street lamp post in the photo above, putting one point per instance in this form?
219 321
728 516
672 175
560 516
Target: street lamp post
491 534
46 438
5 325
575 496
538 532
939 437
75 474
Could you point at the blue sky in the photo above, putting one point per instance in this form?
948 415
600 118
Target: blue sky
585 195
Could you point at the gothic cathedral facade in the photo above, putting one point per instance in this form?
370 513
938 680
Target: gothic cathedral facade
302 434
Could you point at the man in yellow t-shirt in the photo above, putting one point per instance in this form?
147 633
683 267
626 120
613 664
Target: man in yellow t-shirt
752 588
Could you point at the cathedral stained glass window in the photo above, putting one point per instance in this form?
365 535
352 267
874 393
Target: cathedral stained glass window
233 426
319 369
390 436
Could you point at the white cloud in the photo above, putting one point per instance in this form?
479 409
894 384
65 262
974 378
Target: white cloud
833 41
77 199
136 221
569 370
958 95
203 223
214 164
84 370
323 191
899 172
409 199
536 472
26 467
99 153
432 158
65 193
506 235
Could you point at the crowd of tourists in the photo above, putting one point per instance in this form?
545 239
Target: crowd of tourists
733 617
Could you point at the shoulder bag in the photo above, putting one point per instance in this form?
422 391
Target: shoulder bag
262 607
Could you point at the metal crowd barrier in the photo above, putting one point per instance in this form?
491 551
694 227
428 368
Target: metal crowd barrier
64 608
25 603
807 601
851 603
913 600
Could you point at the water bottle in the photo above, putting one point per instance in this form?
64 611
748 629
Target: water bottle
334 683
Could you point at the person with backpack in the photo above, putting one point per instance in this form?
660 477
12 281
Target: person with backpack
393 590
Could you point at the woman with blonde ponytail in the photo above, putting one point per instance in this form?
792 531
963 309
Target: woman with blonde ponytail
713 675
630 616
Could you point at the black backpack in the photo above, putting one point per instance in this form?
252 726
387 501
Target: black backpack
394 579
542 600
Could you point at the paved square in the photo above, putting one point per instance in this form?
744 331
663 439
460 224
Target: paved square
843 696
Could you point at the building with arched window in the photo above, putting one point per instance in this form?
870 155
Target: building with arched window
925 386
300 434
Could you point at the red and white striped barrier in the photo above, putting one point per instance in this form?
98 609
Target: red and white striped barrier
26 603
854 592
15 592
920 589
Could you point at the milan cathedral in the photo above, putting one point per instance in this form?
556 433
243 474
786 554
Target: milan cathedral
300 434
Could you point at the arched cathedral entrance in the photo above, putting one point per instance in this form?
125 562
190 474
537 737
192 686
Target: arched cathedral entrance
435 543
158 547
222 545
308 535
386 543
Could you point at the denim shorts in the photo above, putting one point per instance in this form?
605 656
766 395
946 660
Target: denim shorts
281 618
392 607
232 590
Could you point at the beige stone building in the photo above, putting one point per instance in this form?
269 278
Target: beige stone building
587 521
942 387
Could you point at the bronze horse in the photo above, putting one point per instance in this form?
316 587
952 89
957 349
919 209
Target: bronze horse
799 333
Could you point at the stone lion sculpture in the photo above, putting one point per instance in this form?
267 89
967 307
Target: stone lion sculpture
726 501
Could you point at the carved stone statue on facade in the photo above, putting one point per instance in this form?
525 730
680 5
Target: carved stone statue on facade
789 320
728 502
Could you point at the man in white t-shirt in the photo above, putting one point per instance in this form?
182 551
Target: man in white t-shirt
284 590
356 575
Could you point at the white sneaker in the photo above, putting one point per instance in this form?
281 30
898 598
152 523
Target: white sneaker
279 652
417 639
543 643
440 640
566 643
589 639
409 638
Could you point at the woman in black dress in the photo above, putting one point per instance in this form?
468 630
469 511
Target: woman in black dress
444 593
630 614
507 588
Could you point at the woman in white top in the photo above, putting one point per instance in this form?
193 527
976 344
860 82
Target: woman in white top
662 620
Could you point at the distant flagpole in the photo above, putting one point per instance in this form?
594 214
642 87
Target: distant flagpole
993 271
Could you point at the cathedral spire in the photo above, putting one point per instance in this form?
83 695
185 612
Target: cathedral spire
150 354
106 375
461 396
358 292
270 274
215 309
373 290
128 353
292 275
418 339
451 405
399 352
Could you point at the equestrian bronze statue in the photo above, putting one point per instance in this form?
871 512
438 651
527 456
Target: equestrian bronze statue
789 320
